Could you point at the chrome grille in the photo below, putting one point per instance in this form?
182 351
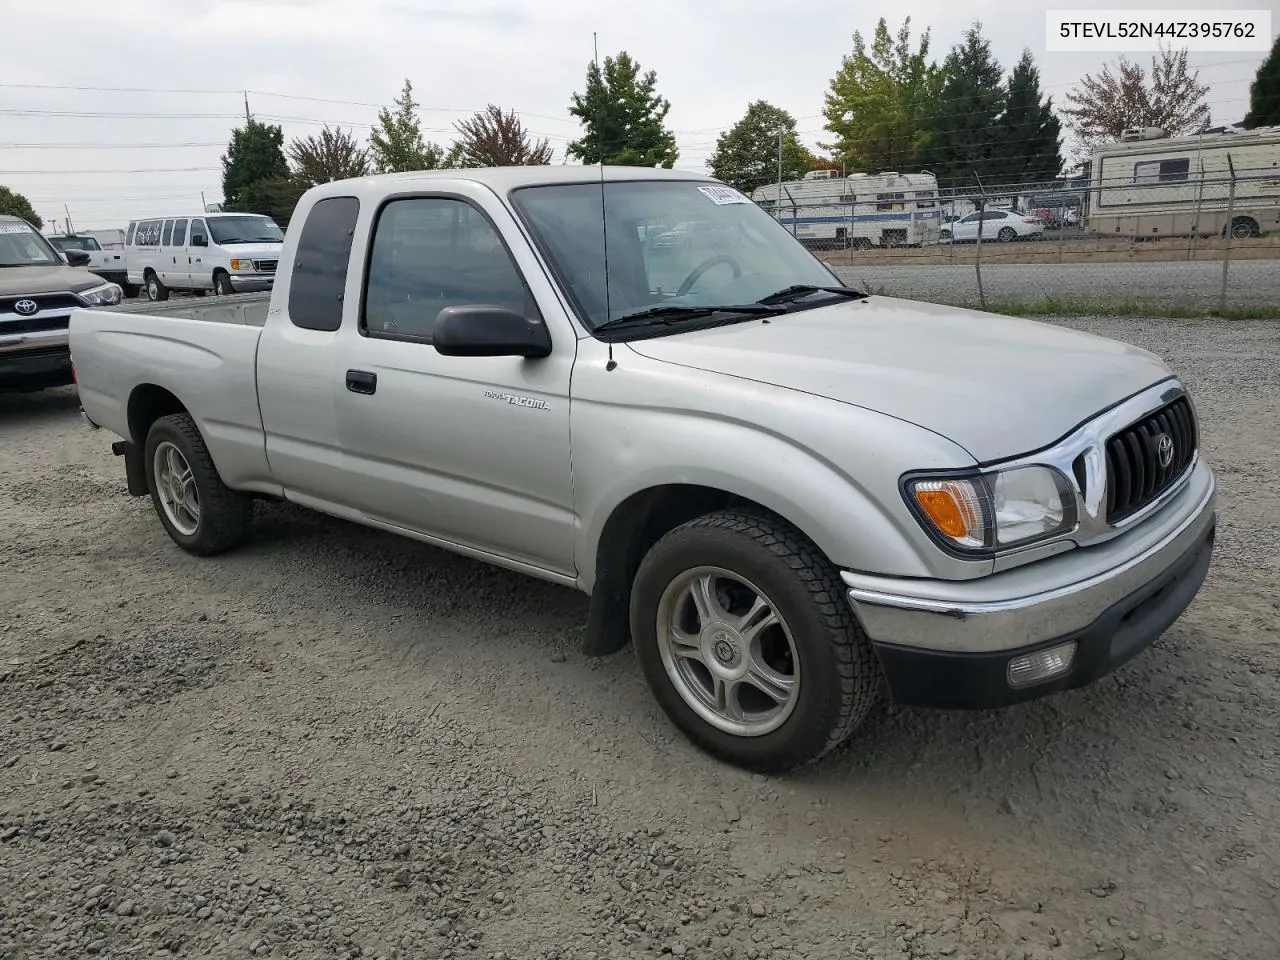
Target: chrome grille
265 266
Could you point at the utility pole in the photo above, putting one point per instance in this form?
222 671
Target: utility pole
247 118
70 229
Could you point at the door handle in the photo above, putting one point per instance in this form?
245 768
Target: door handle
362 381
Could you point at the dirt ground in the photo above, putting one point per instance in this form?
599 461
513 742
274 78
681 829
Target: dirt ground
336 743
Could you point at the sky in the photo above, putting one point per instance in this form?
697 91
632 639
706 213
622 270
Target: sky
111 155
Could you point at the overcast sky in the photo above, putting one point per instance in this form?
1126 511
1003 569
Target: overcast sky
712 58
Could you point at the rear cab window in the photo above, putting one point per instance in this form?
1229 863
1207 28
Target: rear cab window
320 264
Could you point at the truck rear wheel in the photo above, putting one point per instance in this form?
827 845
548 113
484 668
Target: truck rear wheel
200 513
745 637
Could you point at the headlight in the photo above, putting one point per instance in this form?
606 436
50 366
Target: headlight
242 266
986 513
107 295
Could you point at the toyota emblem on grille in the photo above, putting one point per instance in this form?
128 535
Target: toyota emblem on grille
26 307
1164 450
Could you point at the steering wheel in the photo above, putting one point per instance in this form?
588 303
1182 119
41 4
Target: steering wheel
696 274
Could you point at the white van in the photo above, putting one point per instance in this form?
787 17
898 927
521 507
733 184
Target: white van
222 252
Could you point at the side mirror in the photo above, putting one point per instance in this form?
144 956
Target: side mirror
77 258
483 330
200 241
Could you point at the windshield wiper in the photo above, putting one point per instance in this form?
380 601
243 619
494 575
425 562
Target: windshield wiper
789 294
669 314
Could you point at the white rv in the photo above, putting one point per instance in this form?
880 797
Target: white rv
861 211
1150 185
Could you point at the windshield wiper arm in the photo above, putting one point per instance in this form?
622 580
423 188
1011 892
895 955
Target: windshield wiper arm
799 290
671 313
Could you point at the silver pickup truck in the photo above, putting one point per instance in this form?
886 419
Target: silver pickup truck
780 491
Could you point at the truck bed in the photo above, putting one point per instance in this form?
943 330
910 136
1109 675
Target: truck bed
201 351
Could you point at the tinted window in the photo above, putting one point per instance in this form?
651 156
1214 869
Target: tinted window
197 230
429 254
128 239
180 233
168 232
971 218
320 264
1161 171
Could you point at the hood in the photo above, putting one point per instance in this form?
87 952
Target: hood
998 386
253 251
26 281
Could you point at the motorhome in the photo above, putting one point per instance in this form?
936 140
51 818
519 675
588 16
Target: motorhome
826 209
222 252
1150 185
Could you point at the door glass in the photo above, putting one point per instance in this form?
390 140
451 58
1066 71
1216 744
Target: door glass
180 233
168 232
198 230
432 253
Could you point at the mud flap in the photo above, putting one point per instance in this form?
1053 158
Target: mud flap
135 472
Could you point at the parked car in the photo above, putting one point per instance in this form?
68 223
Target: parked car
778 489
1003 225
39 287
107 264
223 252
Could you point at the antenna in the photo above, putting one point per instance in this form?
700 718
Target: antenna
604 224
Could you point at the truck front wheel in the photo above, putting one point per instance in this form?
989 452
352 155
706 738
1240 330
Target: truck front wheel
745 637
200 513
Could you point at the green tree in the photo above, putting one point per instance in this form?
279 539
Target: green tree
623 116
396 141
16 205
255 153
1030 133
878 101
747 155
493 137
331 155
275 198
963 139
1264 92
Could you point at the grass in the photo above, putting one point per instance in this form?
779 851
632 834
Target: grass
1053 307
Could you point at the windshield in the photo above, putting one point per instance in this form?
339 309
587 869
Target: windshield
20 246
244 230
670 243
75 243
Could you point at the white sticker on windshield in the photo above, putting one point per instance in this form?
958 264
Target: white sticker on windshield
722 195
15 228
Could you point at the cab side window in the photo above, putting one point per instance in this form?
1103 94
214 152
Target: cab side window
320 264
429 253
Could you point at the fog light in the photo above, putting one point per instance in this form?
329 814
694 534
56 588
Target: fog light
1042 665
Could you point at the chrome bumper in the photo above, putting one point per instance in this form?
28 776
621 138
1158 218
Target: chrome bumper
1041 601
251 283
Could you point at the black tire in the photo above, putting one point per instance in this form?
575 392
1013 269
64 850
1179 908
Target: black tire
839 673
130 289
1007 235
225 514
1244 228
944 234
222 284
156 290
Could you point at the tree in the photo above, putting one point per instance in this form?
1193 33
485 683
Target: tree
275 198
494 138
16 205
878 101
254 154
333 155
396 142
624 117
1264 92
963 139
1030 133
747 155
1171 98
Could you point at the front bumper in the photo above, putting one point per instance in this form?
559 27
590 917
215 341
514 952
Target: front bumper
251 283
950 645
41 367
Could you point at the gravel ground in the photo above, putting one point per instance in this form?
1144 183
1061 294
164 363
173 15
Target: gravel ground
336 743
1251 283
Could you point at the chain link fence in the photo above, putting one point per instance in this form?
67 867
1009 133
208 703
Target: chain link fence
1157 240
